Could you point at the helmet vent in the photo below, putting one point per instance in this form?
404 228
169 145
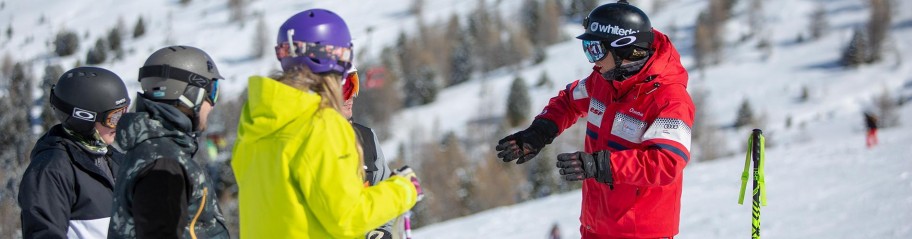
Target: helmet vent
311 14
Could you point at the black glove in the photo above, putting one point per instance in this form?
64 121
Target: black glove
581 165
525 144
379 234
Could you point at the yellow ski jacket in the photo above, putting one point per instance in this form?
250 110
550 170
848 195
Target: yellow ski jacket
297 168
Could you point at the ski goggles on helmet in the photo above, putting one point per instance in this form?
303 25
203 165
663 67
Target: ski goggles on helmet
192 79
213 90
595 50
315 51
112 116
350 85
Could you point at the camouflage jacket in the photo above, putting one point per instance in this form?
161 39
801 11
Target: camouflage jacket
159 131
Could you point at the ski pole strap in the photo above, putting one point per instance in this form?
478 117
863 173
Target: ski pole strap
744 175
761 177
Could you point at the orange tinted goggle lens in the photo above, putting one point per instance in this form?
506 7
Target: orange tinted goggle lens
351 85
113 116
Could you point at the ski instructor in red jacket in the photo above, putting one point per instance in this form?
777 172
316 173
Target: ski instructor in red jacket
638 128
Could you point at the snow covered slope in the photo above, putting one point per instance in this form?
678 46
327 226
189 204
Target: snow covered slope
833 188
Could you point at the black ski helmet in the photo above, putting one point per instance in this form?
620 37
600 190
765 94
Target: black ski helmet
179 74
622 28
85 95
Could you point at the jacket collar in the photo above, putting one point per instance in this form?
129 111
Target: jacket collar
57 138
153 120
663 68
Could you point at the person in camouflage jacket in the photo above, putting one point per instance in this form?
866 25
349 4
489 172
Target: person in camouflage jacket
162 192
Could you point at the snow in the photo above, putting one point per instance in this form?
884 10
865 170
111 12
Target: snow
822 182
833 188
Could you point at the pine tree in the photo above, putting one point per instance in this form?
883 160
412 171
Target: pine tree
15 120
518 105
140 28
819 22
51 74
550 23
97 54
857 51
461 67
530 18
66 43
878 26
745 115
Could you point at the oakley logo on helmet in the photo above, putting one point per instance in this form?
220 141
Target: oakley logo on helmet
623 41
609 29
83 114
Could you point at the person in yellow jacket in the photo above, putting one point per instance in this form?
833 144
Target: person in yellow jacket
297 163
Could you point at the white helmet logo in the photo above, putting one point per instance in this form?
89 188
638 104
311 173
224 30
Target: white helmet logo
620 41
83 114
593 27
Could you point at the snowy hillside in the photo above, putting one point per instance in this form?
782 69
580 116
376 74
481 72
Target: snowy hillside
834 188
822 182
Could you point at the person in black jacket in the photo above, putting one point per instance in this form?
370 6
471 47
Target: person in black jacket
163 192
66 191
376 168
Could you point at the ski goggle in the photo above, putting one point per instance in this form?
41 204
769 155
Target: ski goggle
594 50
213 90
314 50
350 85
112 116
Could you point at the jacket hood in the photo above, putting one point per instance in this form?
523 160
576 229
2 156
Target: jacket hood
272 105
663 67
153 120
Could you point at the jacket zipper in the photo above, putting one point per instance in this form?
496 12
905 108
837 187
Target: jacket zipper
198 212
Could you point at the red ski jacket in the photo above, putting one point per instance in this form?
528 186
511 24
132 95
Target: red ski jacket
645 122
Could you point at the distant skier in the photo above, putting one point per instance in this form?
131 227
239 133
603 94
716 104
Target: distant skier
162 191
871 125
67 189
638 133
297 163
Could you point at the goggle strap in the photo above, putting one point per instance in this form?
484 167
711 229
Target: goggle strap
66 107
291 47
169 72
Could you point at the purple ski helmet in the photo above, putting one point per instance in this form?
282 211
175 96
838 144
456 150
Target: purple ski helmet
317 39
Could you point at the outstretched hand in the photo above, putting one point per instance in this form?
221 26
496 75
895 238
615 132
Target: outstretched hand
512 148
526 144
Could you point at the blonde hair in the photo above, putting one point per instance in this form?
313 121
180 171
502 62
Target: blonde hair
325 85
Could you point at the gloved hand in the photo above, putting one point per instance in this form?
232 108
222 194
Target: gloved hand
408 173
379 234
581 165
525 144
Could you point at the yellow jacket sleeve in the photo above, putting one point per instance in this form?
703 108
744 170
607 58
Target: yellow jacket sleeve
337 196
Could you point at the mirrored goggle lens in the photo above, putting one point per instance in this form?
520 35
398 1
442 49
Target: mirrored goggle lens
594 50
314 50
351 84
113 116
214 92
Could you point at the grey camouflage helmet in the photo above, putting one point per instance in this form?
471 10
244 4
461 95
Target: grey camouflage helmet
178 73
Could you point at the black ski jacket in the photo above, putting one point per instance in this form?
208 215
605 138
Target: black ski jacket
63 193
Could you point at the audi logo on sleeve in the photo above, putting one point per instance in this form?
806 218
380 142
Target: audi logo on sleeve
83 114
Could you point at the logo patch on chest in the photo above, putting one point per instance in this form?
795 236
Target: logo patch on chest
596 112
628 128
